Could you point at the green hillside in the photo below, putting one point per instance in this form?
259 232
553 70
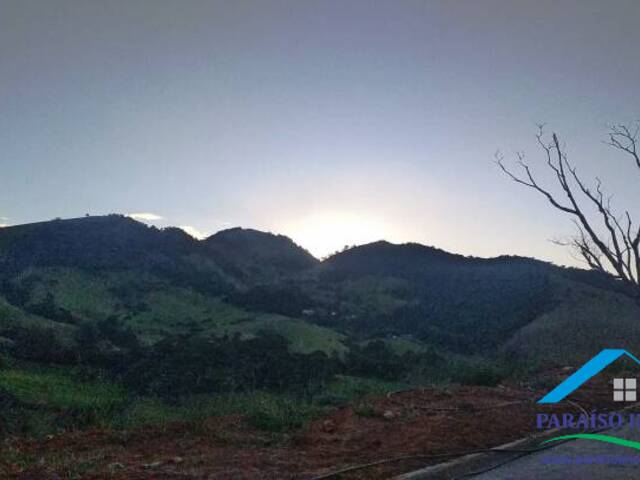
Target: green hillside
585 320
158 283
303 337
106 321
151 307
74 277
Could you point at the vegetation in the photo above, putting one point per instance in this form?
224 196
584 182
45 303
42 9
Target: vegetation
104 321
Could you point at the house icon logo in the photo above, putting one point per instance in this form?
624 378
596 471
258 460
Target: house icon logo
624 389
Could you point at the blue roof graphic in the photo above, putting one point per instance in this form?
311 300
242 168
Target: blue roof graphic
588 370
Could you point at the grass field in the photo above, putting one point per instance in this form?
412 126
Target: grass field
86 295
57 390
156 309
303 337
53 399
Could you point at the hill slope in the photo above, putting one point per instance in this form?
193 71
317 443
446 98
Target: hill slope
465 304
66 273
255 256
585 321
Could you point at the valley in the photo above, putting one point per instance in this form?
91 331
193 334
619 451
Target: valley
117 328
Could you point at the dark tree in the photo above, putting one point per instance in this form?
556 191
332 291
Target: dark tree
607 241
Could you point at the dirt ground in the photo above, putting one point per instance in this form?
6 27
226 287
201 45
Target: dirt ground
416 424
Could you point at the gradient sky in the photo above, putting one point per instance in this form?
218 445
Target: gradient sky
334 122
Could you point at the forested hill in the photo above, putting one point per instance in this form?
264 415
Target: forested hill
119 242
63 274
91 242
256 256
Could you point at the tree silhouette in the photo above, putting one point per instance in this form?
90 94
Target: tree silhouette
606 240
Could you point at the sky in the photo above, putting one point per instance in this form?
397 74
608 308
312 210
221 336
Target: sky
333 122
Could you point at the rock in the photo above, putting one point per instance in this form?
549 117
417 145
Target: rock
328 426
388 415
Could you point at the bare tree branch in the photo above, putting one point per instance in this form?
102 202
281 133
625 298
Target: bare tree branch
625 139
605 241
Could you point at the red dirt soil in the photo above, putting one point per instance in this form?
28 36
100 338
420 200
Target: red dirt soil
417 422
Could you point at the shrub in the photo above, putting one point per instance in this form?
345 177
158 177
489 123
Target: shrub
483 375
41 345
279 416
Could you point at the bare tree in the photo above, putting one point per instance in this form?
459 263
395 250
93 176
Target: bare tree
607 241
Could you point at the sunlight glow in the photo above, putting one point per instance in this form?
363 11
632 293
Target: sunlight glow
145 216
193 231
325 233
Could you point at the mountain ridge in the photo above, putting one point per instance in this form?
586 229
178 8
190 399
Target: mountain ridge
228 235
241 280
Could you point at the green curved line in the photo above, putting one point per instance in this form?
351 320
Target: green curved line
600 438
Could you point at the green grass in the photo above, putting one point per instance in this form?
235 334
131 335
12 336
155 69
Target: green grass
303 337
178 310
52 394
11 316
51 399
376 294
57 390
358 392
160 309
86 295
353 388
148 411
92 297
263 410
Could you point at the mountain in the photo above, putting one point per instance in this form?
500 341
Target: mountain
586 320
109 244
407 260
384 258
467 304
92 242
63 274
530 310
255 256
235 256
